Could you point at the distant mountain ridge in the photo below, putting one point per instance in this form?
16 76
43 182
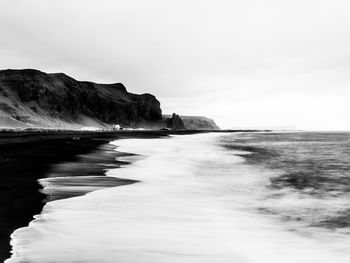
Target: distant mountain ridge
31 98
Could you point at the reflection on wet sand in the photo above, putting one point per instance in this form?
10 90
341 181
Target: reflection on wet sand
71 168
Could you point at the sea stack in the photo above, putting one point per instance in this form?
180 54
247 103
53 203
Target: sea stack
175 122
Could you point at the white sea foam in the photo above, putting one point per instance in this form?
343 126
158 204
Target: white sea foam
195 202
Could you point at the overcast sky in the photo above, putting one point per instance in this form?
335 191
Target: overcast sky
244 63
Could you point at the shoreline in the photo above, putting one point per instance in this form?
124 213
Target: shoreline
46 165
10 136
37 170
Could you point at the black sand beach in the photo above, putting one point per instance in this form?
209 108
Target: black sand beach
28 156
71 163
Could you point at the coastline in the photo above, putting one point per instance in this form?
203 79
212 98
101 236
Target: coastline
24 160
76 161
10 136
186 184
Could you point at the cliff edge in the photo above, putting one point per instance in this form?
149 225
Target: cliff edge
31 98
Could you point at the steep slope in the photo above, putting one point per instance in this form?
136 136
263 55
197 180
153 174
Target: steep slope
31 98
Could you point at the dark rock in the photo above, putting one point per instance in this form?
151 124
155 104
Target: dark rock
60 96
34 109
175 122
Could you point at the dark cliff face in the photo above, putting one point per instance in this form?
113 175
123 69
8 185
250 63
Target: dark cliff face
27 94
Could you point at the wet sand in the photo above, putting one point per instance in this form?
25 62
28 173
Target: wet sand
72 167
41 166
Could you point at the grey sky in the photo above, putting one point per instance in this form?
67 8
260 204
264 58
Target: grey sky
243 63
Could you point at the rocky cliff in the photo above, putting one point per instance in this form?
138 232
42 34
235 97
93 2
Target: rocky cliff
31 98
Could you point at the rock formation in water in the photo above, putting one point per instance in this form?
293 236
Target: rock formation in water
175 122
31 98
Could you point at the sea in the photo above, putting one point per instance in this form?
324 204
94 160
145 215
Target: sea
214 197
